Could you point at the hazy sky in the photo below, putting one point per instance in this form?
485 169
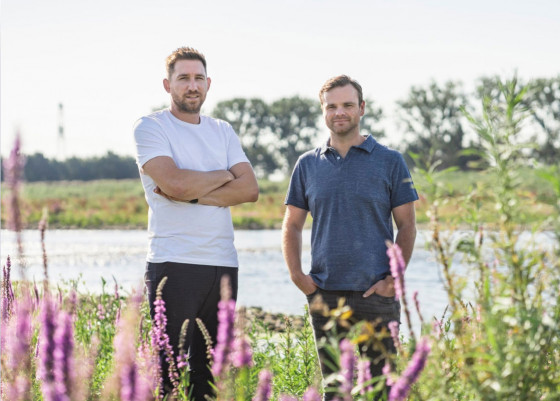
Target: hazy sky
104 59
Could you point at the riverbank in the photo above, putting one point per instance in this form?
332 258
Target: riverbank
275 322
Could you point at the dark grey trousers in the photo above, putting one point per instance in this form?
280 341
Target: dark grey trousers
374 308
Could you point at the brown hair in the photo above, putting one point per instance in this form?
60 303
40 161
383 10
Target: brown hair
341 80
183 53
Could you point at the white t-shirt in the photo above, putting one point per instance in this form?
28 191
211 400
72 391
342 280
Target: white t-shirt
178 231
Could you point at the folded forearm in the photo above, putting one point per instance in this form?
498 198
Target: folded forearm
240 190
190 184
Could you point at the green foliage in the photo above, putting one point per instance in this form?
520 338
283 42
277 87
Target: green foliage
504 343
273 135
434 125
251 120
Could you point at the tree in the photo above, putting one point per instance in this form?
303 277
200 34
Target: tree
434 124
250 118
369 123
544 102
39 168
294 124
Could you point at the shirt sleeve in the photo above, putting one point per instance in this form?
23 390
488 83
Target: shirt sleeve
296 190
235 153
403 187
150 141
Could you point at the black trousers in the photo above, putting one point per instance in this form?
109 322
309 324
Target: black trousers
191 291
374 308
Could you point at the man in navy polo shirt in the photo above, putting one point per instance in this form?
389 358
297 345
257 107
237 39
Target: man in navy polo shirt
354 188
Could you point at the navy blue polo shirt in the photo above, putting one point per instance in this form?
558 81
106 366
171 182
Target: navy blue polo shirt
350 200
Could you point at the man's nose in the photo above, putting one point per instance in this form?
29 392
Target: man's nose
339 111
192 85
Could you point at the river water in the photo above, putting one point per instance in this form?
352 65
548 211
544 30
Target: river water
89 255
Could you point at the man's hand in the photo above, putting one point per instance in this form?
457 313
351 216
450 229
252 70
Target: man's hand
305 283
157 190
385 288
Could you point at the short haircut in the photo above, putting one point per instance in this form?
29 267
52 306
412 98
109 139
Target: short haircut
183 53
339 81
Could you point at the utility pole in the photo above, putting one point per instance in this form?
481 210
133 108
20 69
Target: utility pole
61 145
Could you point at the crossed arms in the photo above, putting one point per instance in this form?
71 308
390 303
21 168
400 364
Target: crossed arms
213 188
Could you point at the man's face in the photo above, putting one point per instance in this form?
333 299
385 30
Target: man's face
188 86
342 110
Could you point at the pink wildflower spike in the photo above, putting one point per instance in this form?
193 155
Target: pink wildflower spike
7 292
13 176
264 387
225 336
18 351
134 373
63 360
396 262
394 329
311 394
417 305
364 376
242 354
347 360
387 372
46 351
401 388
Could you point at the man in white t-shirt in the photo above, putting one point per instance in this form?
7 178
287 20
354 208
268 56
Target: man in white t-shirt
192 168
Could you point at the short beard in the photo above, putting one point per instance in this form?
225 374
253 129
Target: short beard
184 107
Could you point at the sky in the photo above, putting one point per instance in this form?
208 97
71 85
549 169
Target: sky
104 60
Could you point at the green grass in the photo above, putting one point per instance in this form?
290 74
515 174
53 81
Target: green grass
121 203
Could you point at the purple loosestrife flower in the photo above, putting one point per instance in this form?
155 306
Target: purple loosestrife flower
311 394
242 353
18 352
394 329
417 304
100 312
42 229
7 291
396 262
133 384
347 361
364 376
401 388
47 346
63 358
387 372
264 387
224 339
183 361
13 175
160 339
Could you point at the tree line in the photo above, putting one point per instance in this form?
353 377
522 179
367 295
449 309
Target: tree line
110 166
429 119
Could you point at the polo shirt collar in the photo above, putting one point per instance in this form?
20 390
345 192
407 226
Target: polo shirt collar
368 145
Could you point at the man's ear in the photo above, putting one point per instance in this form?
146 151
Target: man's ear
166 85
